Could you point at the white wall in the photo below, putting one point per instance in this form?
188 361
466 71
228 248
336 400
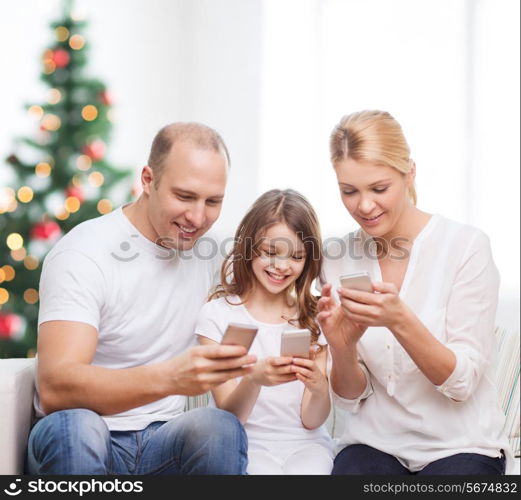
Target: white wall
164 61
274 76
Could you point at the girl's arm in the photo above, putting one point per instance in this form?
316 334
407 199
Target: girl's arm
239 398
316 403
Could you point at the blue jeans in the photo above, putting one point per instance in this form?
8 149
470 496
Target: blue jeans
201 441
362 459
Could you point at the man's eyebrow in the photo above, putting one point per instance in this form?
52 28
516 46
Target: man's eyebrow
192 193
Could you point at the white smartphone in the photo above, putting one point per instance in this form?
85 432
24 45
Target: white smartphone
295 343
357 281
239 334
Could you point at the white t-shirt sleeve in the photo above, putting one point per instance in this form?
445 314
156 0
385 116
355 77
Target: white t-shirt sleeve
470 318
209 322
72 288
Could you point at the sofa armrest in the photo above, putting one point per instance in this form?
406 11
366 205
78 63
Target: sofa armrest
16 412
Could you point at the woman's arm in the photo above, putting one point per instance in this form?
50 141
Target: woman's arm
455 366
347 377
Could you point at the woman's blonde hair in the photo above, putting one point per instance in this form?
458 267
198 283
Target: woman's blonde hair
372 136
273 207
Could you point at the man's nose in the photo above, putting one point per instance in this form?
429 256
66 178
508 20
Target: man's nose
196 215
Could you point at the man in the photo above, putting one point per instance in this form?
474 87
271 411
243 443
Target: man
119 296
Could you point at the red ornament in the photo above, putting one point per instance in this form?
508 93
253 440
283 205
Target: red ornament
10 324
106 98
61 58
96 150
46 230
75 191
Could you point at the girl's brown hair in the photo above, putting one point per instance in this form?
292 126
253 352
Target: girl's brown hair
273 207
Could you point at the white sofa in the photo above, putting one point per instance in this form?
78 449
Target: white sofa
17 390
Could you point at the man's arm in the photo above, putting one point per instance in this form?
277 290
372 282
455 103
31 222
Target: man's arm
66 379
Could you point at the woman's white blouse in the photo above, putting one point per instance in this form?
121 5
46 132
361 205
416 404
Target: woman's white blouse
451 284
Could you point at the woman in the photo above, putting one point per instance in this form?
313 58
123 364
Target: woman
412 360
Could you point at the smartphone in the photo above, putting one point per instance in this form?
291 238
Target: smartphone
295 343
357 281
239 334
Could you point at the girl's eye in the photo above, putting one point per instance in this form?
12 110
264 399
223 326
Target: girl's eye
183 198
298 257
269 253
348 193
380 190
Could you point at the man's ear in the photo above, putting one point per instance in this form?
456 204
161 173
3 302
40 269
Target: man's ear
147 179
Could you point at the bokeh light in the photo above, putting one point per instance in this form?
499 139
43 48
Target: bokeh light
19 254
51 122
89 112
43 169
104 206
54 96
83 162
76 42
9 273
14 241
96 179
35 112
61 33
31 296
72 204
31 263
25 194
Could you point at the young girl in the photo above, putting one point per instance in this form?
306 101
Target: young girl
265 281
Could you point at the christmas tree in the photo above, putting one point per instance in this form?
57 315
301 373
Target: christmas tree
61 177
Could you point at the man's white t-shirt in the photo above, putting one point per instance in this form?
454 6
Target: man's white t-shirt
143 300
276 414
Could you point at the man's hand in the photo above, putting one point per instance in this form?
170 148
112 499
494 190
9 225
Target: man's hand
201 368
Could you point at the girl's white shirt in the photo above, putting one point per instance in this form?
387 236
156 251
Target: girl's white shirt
451 284
276 414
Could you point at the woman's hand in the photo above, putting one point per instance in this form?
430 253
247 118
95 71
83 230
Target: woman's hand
272 371
339 329
384 308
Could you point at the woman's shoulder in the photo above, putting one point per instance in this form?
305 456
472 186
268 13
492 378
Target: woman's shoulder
460 231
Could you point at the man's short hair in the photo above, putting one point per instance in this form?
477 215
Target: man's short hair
199 135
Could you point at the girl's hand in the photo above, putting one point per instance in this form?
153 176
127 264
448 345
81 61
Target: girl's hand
384 308
273 371
308 372
339 329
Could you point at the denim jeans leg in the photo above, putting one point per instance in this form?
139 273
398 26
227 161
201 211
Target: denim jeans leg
69 442
200 441
465 464
360 459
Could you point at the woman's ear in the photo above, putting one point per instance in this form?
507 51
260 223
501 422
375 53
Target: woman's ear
411 175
